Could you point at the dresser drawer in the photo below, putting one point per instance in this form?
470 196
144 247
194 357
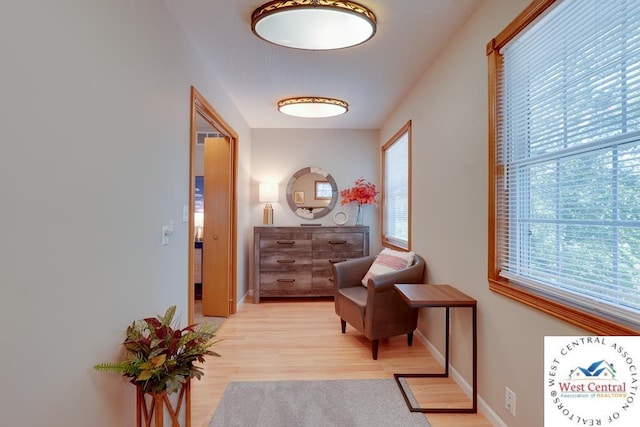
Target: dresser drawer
323 270
285 262
323 262
286 243
338 242
327 259
322 283
285 283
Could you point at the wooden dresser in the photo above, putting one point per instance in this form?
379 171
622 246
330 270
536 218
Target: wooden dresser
296 261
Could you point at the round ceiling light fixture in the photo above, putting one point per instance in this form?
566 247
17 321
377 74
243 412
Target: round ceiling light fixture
312 107
313 24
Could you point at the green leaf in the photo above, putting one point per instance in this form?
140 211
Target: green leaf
144 375
168 316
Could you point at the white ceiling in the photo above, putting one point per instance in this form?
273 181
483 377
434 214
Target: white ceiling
372 77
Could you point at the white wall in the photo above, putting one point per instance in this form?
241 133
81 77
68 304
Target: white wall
449 112
276 154
94 153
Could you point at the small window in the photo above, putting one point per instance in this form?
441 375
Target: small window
396 190
323 190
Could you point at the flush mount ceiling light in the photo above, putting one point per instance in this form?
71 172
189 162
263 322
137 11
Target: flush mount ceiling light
312 107
313 24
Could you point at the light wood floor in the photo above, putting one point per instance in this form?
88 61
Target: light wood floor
301 340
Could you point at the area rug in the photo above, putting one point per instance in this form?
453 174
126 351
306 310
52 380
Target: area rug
365 403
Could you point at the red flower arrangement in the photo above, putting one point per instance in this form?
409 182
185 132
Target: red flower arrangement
364 193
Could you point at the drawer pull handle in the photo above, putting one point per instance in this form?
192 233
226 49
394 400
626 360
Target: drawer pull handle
286 242
335 261
286 280
286 261
337 242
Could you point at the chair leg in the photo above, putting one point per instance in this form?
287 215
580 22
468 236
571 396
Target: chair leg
343 324
374 349
410 338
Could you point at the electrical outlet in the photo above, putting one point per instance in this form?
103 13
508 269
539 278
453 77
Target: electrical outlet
510 401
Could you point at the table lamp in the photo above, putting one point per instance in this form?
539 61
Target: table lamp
268 193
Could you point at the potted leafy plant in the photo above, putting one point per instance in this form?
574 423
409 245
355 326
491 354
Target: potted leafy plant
160 359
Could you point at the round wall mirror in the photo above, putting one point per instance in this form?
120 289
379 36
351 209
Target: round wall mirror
312 193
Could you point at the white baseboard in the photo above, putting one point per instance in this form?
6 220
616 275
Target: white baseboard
241 301
483 407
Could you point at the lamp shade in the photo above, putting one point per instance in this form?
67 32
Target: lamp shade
314 24
313 107
268 192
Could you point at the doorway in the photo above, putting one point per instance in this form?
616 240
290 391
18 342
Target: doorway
213 229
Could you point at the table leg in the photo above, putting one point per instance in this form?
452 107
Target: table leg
447 332
445 374
475 358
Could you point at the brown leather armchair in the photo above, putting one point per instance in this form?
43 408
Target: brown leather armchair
377 311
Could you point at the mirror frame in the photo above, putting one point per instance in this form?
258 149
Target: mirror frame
304 213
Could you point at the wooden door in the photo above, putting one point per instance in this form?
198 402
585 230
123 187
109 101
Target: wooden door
217 245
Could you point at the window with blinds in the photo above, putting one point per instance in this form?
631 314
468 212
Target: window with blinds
397 190
566 156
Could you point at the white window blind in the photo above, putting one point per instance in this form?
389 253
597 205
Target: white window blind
396 192
569 143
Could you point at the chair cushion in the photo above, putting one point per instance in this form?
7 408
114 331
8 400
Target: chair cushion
388 261
356 294
352 303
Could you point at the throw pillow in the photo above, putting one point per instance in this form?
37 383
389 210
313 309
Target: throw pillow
387 261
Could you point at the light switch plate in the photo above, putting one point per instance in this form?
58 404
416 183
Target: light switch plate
166 232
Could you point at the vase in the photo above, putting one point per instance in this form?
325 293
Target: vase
151 408
359 215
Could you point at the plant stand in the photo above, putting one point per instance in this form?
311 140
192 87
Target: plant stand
151 408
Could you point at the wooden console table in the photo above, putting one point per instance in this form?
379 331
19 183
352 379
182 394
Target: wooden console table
446 296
